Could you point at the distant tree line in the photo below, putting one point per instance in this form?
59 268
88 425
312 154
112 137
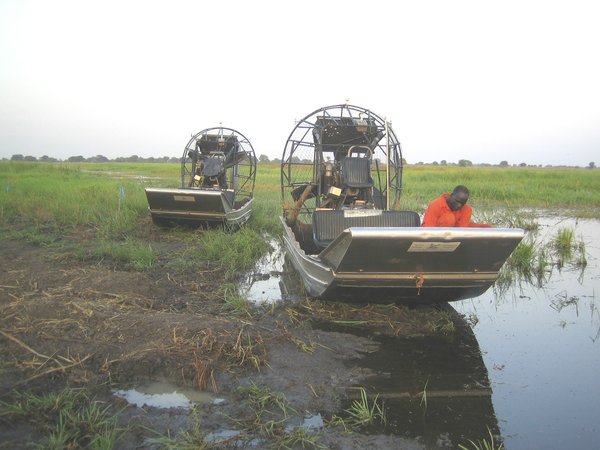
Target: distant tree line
98 159
261 159
443 162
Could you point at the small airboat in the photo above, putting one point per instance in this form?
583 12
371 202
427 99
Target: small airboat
345 232
218 171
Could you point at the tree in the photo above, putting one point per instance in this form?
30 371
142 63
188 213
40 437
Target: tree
78 158
98 158
263 158
17 158
592 165
503 163
464 162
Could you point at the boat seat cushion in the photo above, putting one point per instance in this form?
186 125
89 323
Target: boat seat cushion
212 167
356 173
329 224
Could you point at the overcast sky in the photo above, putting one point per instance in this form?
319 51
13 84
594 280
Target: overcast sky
485 81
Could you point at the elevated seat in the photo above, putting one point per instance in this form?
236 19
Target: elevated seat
213 166
356 173
329 224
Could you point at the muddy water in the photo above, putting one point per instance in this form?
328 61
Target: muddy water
524 363
541 348
165 395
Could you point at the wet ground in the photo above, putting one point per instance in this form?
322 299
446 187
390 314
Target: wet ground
125 338
520 361
524 361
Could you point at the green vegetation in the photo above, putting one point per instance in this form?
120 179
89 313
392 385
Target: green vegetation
103 207
362 412
483 444
55 198
69 419
193 439
516 187
532 260
99 212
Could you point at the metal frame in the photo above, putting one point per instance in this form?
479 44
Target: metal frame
241 175
302 157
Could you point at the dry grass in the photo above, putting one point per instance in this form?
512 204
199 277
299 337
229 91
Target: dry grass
392 320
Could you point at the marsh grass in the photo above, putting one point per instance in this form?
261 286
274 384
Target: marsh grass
362 412
269 411
581 258
46 202
59 197
131 252
69 419
191 439
260 399
234 302
483 444
299 438
390 319
563 244
236 252
530 262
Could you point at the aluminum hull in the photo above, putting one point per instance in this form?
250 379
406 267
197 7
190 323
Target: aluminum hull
197 206
404 264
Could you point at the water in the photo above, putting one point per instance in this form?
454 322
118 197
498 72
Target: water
165 395
524 362
541 346
273 279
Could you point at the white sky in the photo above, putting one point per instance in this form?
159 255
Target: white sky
479 80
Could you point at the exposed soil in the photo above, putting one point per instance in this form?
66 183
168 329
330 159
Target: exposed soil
99 326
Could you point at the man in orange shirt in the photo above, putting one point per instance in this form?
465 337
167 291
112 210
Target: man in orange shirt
451 210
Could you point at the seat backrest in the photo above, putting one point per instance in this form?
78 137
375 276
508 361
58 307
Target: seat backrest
212 167
356 172
329 224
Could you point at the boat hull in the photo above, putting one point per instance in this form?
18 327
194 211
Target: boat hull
196 207
404 264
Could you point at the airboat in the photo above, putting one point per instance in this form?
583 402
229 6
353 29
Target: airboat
344 230
218 171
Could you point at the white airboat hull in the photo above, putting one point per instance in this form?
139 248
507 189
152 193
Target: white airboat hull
404 264
197 206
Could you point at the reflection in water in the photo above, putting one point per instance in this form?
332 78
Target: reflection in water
273 279
433 387
539 337
164 395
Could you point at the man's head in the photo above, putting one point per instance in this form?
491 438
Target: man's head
458 198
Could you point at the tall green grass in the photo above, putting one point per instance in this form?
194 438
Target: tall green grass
58 198
46 201
512 187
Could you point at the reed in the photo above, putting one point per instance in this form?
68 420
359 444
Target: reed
363 412
131 252
563 244
492 188
191 439
59 198
71 419
236 252
483 444
234 302
46 202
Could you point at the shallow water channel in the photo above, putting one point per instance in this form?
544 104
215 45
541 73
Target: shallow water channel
524 362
